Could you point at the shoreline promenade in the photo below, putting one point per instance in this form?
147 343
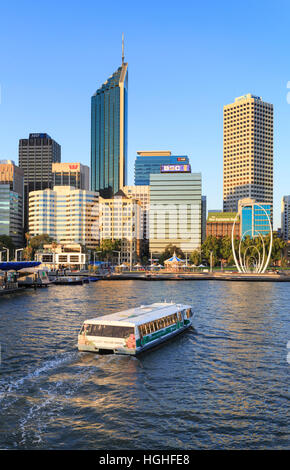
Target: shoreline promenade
267 277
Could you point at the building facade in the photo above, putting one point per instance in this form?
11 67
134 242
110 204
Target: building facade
175 211
109 118
220 224
62 256
36 156
254 218
11 201
247 151
148 163
285 218
120 218
141 194
71 174
66 214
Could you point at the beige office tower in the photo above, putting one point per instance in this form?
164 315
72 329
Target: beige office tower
248 151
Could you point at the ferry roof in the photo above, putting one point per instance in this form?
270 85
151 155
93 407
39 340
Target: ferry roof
139 315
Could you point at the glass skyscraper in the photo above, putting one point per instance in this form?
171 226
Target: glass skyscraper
254 217
109 111
149 163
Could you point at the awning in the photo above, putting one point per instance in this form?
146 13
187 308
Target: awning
16 266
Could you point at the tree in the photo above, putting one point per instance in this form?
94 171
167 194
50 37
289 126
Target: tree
195 257
6 242
34 244
107 248
211 245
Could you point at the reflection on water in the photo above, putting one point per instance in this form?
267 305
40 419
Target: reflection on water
223 384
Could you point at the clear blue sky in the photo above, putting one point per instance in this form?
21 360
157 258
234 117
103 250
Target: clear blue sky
186 60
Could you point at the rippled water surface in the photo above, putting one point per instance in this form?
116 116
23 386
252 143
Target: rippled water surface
223 385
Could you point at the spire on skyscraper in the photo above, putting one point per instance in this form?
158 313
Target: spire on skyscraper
122 48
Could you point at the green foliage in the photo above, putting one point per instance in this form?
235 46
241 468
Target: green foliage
6 242
222 248
34 244
195 258
107 248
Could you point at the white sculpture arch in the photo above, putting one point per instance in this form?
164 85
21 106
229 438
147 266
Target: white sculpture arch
261 265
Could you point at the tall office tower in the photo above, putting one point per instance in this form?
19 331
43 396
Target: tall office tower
66 214
71 174
109 111
254 217
175 211
36 156
11 201
149 163
248 151
285 217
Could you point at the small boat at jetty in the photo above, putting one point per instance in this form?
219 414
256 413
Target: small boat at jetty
134 330
65 281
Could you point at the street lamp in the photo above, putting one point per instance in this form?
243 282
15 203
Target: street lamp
211 261
7 251
16 251
95 252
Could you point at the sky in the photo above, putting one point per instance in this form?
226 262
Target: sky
186 59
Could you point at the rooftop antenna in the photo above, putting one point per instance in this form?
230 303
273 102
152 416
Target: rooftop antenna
122 48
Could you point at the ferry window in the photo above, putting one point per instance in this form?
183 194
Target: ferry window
179 316
110 331
175 318
188 313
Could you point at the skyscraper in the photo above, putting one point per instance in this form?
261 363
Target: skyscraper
285 217
36 156
11 201
109 110
149 163
248 151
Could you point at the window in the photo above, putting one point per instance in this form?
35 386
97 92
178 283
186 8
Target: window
109 331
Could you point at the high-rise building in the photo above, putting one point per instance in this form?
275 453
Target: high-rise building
66 214
285 217
36 156
71 174
11 201
247 151
175 211
120 219
109 116
254 218
150 163
142 194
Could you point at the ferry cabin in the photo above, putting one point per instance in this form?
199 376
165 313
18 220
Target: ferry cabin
135 330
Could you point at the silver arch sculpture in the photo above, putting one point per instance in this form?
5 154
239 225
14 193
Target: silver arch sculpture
242 264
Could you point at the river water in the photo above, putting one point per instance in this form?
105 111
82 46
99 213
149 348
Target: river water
222 385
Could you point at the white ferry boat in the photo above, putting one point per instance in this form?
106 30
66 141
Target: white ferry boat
135 330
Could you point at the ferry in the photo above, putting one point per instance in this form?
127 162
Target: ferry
134 330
